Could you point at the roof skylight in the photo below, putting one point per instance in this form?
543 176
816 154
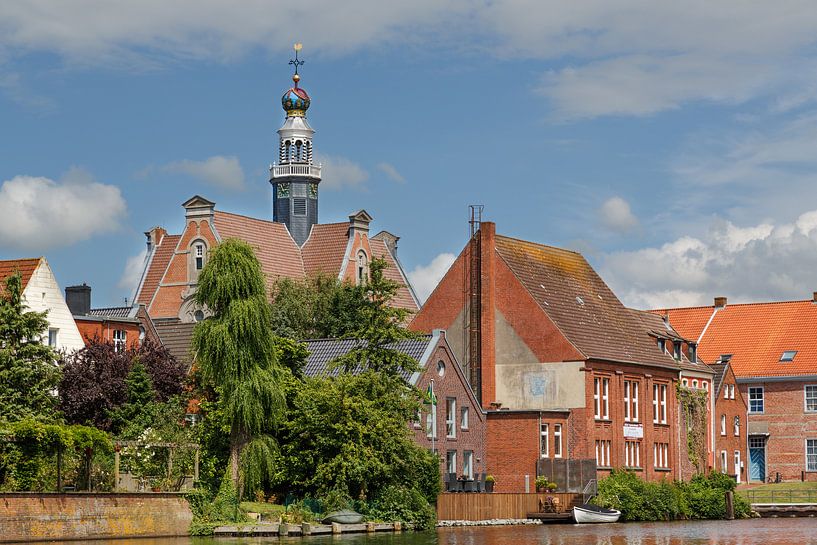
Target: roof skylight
788 355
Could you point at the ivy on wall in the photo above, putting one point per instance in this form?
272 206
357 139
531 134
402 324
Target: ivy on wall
693 407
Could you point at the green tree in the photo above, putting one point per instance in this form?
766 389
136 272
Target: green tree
138 411
317 307
235 350
380 326
28 367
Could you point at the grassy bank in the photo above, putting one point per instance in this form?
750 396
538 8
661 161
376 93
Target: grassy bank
781 493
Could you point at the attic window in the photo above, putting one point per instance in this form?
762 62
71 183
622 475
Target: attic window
676 350
788 355
662 345
725 358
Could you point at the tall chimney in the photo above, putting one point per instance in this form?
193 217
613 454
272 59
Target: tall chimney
78 299
720 302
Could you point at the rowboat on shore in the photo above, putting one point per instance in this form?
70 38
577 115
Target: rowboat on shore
593 513
344 516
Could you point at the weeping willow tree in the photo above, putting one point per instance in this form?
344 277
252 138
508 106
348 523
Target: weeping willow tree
235 353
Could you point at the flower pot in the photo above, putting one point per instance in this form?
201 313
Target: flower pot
489 486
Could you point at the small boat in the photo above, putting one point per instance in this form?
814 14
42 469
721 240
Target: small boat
344 516
593 513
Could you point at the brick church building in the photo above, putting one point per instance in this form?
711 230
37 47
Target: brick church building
563 368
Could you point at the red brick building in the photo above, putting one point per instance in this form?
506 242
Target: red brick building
563 368
730 423
455 427
772 350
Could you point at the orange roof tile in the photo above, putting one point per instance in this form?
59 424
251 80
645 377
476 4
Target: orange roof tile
757 334
278 253
25 267
581 305
156 268
324 250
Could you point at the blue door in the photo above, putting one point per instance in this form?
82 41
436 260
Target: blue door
757 459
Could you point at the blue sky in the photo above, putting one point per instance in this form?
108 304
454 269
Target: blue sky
673 145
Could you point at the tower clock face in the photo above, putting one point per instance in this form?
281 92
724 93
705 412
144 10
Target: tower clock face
283 190
313 191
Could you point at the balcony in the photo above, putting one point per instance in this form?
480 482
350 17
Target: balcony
295 169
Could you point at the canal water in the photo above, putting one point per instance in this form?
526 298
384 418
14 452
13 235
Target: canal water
789 531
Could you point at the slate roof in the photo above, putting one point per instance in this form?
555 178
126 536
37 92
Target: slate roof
176 336
111 312
323 351
26 267
159 259
717 380
656 325
581 305
757 334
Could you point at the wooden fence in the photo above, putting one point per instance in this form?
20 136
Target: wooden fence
466 506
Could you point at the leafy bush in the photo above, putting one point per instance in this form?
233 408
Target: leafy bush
701 498
407 505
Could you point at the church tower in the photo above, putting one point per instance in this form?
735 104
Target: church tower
295 177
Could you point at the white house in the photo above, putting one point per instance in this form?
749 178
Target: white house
41 292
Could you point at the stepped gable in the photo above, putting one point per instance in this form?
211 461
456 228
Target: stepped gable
582 306
324 250
156 267
274 247
25 267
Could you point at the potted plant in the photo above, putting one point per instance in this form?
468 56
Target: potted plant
489 483
552 486
542 483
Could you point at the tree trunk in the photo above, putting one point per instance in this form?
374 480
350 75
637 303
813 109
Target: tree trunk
235 457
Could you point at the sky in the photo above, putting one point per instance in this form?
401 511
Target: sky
673 144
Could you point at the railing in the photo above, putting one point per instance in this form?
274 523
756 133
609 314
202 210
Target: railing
590 490
780 495
295 169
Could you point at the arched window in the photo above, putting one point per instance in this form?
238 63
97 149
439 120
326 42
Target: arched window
362 267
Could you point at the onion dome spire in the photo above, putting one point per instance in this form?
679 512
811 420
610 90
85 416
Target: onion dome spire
296 100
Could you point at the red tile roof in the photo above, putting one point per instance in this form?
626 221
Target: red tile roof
156 268
25 267
655 324
403 298
324 250
581 305
278 253
689 322
757 334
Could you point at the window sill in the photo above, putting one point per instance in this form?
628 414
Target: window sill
665 469
634 468
605 468
661 424
603 421
451 437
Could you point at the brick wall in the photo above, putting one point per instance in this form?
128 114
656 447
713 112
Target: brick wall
91 329
788 425
451 384
35 517
729 442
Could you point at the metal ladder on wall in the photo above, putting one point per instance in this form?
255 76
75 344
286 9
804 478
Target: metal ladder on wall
590 490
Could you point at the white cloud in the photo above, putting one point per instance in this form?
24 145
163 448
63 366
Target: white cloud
218 170
133 271
339 172
37 213
391 172
425 278
755 263
615 214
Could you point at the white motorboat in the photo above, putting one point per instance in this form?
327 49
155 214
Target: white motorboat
593 513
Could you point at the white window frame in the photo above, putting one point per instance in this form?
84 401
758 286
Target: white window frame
450 418
695 383
603 453
723 461
634 417
705 385
723 424
663 403
630 401
762 399
726 391
660 452
731 391
464 420
198 258
544 446
451 461
632 454
655 417
605 398
557 440
468 463
684 382
813 398
811 457
53 336
736 425
120 340
597 398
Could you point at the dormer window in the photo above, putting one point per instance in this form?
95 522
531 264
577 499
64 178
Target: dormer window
693 352
788 355
662 345
725 358
676 350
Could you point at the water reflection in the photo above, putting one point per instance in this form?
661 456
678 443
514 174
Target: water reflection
792 531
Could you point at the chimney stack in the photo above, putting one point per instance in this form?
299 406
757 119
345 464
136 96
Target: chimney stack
814 297
720 302
78 299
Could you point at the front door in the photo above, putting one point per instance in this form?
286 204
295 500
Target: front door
737 466
757 458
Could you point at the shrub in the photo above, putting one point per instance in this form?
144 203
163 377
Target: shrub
407 505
